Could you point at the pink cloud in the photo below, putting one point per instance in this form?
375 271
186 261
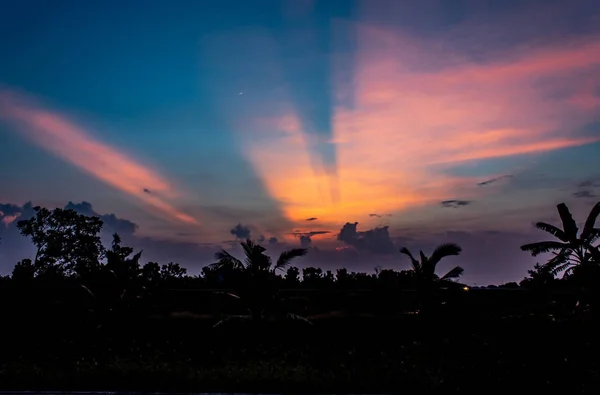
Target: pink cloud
8 219
60 136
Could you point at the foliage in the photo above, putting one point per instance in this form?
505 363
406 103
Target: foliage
572 251
425 268
67 242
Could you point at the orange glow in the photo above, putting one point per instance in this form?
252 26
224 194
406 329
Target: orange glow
408 123
66 140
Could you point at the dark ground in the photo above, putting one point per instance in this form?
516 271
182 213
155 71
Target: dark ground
463 348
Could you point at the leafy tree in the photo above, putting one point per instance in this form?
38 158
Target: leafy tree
67 242
23 272
292 276
151 273
539 277
118 263
172 271
571 251
312 276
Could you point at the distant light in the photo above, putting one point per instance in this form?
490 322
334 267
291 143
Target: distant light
466 288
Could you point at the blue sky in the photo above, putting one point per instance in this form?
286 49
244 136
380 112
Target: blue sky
190 117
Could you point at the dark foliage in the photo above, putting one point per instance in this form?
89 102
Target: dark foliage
81 316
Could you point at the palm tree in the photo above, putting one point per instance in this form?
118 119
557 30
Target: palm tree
572 251
424 270
256 261
259 270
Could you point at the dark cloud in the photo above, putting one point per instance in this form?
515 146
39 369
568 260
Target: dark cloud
147 190
240 232
584 193
376 240
455 203
311 233
305 241
305 237
379 215
591 183
111 223
311 219
493 180
273 240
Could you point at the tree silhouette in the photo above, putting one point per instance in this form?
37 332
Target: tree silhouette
67 243
572 251
256 261
424 271
258 289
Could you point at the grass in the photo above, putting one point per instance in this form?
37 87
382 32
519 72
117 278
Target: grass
339 353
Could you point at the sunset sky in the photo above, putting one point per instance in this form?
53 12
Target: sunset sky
188 125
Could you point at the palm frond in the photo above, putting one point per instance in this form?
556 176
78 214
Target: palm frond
286 257
590 222
454 273
555 264
228 294
562 267
416 265
296 317
595 253
544 246
226 261
553 230
88 291
569 225
444 250
232 318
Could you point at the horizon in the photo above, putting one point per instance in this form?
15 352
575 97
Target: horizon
352 128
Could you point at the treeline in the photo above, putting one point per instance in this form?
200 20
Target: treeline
69 253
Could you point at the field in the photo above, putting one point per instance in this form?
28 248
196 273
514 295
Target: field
480 340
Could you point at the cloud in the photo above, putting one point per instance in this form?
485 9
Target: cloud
454 203
376 240
432 105
240 232
273 240
311 219
310 233
584 193
57 134
495 179
111 223
305 241
380 215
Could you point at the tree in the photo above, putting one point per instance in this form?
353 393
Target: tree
258 290
424 271
571 252
256 261
118 263
292 276
67 243
172 271
23 272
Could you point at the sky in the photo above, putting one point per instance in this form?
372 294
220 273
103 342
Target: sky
352 128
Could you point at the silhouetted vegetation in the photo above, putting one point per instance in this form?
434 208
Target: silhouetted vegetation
81 315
